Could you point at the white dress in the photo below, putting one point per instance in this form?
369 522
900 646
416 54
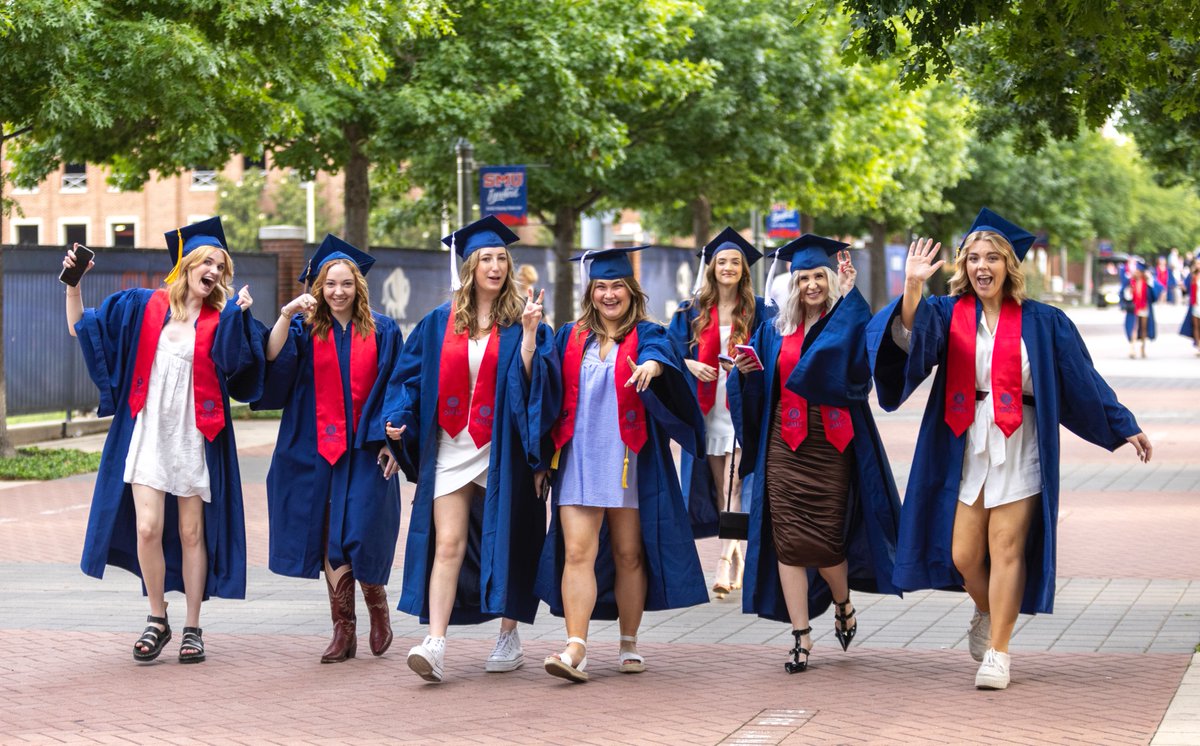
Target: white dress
459 460
718 425
166 451
1007 470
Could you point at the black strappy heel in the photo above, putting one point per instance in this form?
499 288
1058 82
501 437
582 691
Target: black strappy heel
192 640
844 634
153 638
795 665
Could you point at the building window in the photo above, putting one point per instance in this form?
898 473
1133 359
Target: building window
123 235
74 178
74 233
27 235
249 164
204 179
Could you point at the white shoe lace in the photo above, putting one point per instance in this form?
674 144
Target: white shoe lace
508 644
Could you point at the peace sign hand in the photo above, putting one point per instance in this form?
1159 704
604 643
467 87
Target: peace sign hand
846 272
920 264
532 315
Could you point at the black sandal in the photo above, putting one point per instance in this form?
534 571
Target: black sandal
844 634
152 638
795 665
191 639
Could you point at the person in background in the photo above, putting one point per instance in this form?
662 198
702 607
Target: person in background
1139 296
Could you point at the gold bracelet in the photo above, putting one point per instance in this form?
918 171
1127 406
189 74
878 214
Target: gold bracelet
526 349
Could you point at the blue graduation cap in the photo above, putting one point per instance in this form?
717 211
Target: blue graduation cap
333 248
606 264
182 241
987 220
487 232
726 239
807 252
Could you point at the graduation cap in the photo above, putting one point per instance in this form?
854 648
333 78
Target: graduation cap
987 220
807 252
182 241
487 232
606 264
331 249
726 239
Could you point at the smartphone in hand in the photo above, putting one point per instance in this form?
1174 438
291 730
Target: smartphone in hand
748 350
83 257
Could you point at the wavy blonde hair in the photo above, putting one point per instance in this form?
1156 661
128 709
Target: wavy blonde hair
1014 283
177 291
321 317
743 311
506 309
590 319
791 313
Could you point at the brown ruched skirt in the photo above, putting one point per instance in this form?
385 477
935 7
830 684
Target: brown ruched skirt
806 493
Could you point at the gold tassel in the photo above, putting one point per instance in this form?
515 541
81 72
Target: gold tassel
174 274
625 471
554 461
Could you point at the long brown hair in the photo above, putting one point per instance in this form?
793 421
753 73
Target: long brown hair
177 291
321 317
1014 283
589 316
506 309
743 310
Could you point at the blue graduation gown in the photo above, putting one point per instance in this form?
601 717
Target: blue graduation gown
507 529
363 508
699 489
674 578
832 371
108 337
1186 327
1067 390
1152 290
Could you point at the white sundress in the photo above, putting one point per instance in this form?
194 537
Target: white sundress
718 424
166 451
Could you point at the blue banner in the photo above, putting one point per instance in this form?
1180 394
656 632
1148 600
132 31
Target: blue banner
502 192
783 223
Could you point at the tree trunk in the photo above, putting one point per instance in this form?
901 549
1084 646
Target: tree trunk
357 197
807 223
701 220
6 447
879 290
565 219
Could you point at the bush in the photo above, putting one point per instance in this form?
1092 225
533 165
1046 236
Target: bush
37 463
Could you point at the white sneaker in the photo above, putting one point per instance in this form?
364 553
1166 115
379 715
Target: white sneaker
507 655
427 658
993 674
980 634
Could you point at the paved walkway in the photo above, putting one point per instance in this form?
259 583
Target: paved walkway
1113 664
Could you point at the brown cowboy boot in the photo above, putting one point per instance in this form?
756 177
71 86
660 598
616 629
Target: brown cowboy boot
381 620
341 606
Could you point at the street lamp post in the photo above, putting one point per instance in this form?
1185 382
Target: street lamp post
466 163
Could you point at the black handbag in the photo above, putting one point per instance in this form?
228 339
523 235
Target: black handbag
732 525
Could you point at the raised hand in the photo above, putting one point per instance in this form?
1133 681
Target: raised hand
300 304
642 375
920 265
532 315
244 300
846 272
69 259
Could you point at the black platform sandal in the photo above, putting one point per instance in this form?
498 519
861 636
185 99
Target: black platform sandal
795 665
844 634
153 639
191 639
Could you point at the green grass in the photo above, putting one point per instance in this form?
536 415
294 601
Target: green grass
243 412
38 463
19 419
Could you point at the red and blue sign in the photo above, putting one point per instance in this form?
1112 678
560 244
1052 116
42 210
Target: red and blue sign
783 223
502 192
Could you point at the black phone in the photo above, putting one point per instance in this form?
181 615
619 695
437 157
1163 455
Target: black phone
544 492
83 257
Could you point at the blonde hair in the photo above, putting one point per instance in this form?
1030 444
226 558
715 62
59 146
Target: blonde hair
321 317
506 309
791 313
177 291
743 311
589 316
1014 282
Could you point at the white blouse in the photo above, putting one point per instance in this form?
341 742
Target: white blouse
459 461
1006 470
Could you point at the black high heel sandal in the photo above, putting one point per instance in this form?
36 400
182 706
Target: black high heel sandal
795 665
153 639
844 634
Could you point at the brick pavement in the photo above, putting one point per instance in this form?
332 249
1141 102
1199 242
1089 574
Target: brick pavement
1111 665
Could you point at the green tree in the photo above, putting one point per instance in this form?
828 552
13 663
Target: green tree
240 205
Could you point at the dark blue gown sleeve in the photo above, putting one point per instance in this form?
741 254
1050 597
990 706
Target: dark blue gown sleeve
239 352
669 399
833 369
679 331
1088 406
534 401
106 338
746 405
402 404
388 341
282 371
898 374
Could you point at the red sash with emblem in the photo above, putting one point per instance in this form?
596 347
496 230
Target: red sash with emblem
332 428
793 408
454 376
1006 367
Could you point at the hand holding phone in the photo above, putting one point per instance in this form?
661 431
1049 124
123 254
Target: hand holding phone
77 261
748 360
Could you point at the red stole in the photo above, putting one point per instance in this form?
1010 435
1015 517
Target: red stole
1139 295
210 408
632 423
1192 293
332 428
454 377
1006 367
793 408
707 349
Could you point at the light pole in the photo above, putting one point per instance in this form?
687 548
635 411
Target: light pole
466 163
